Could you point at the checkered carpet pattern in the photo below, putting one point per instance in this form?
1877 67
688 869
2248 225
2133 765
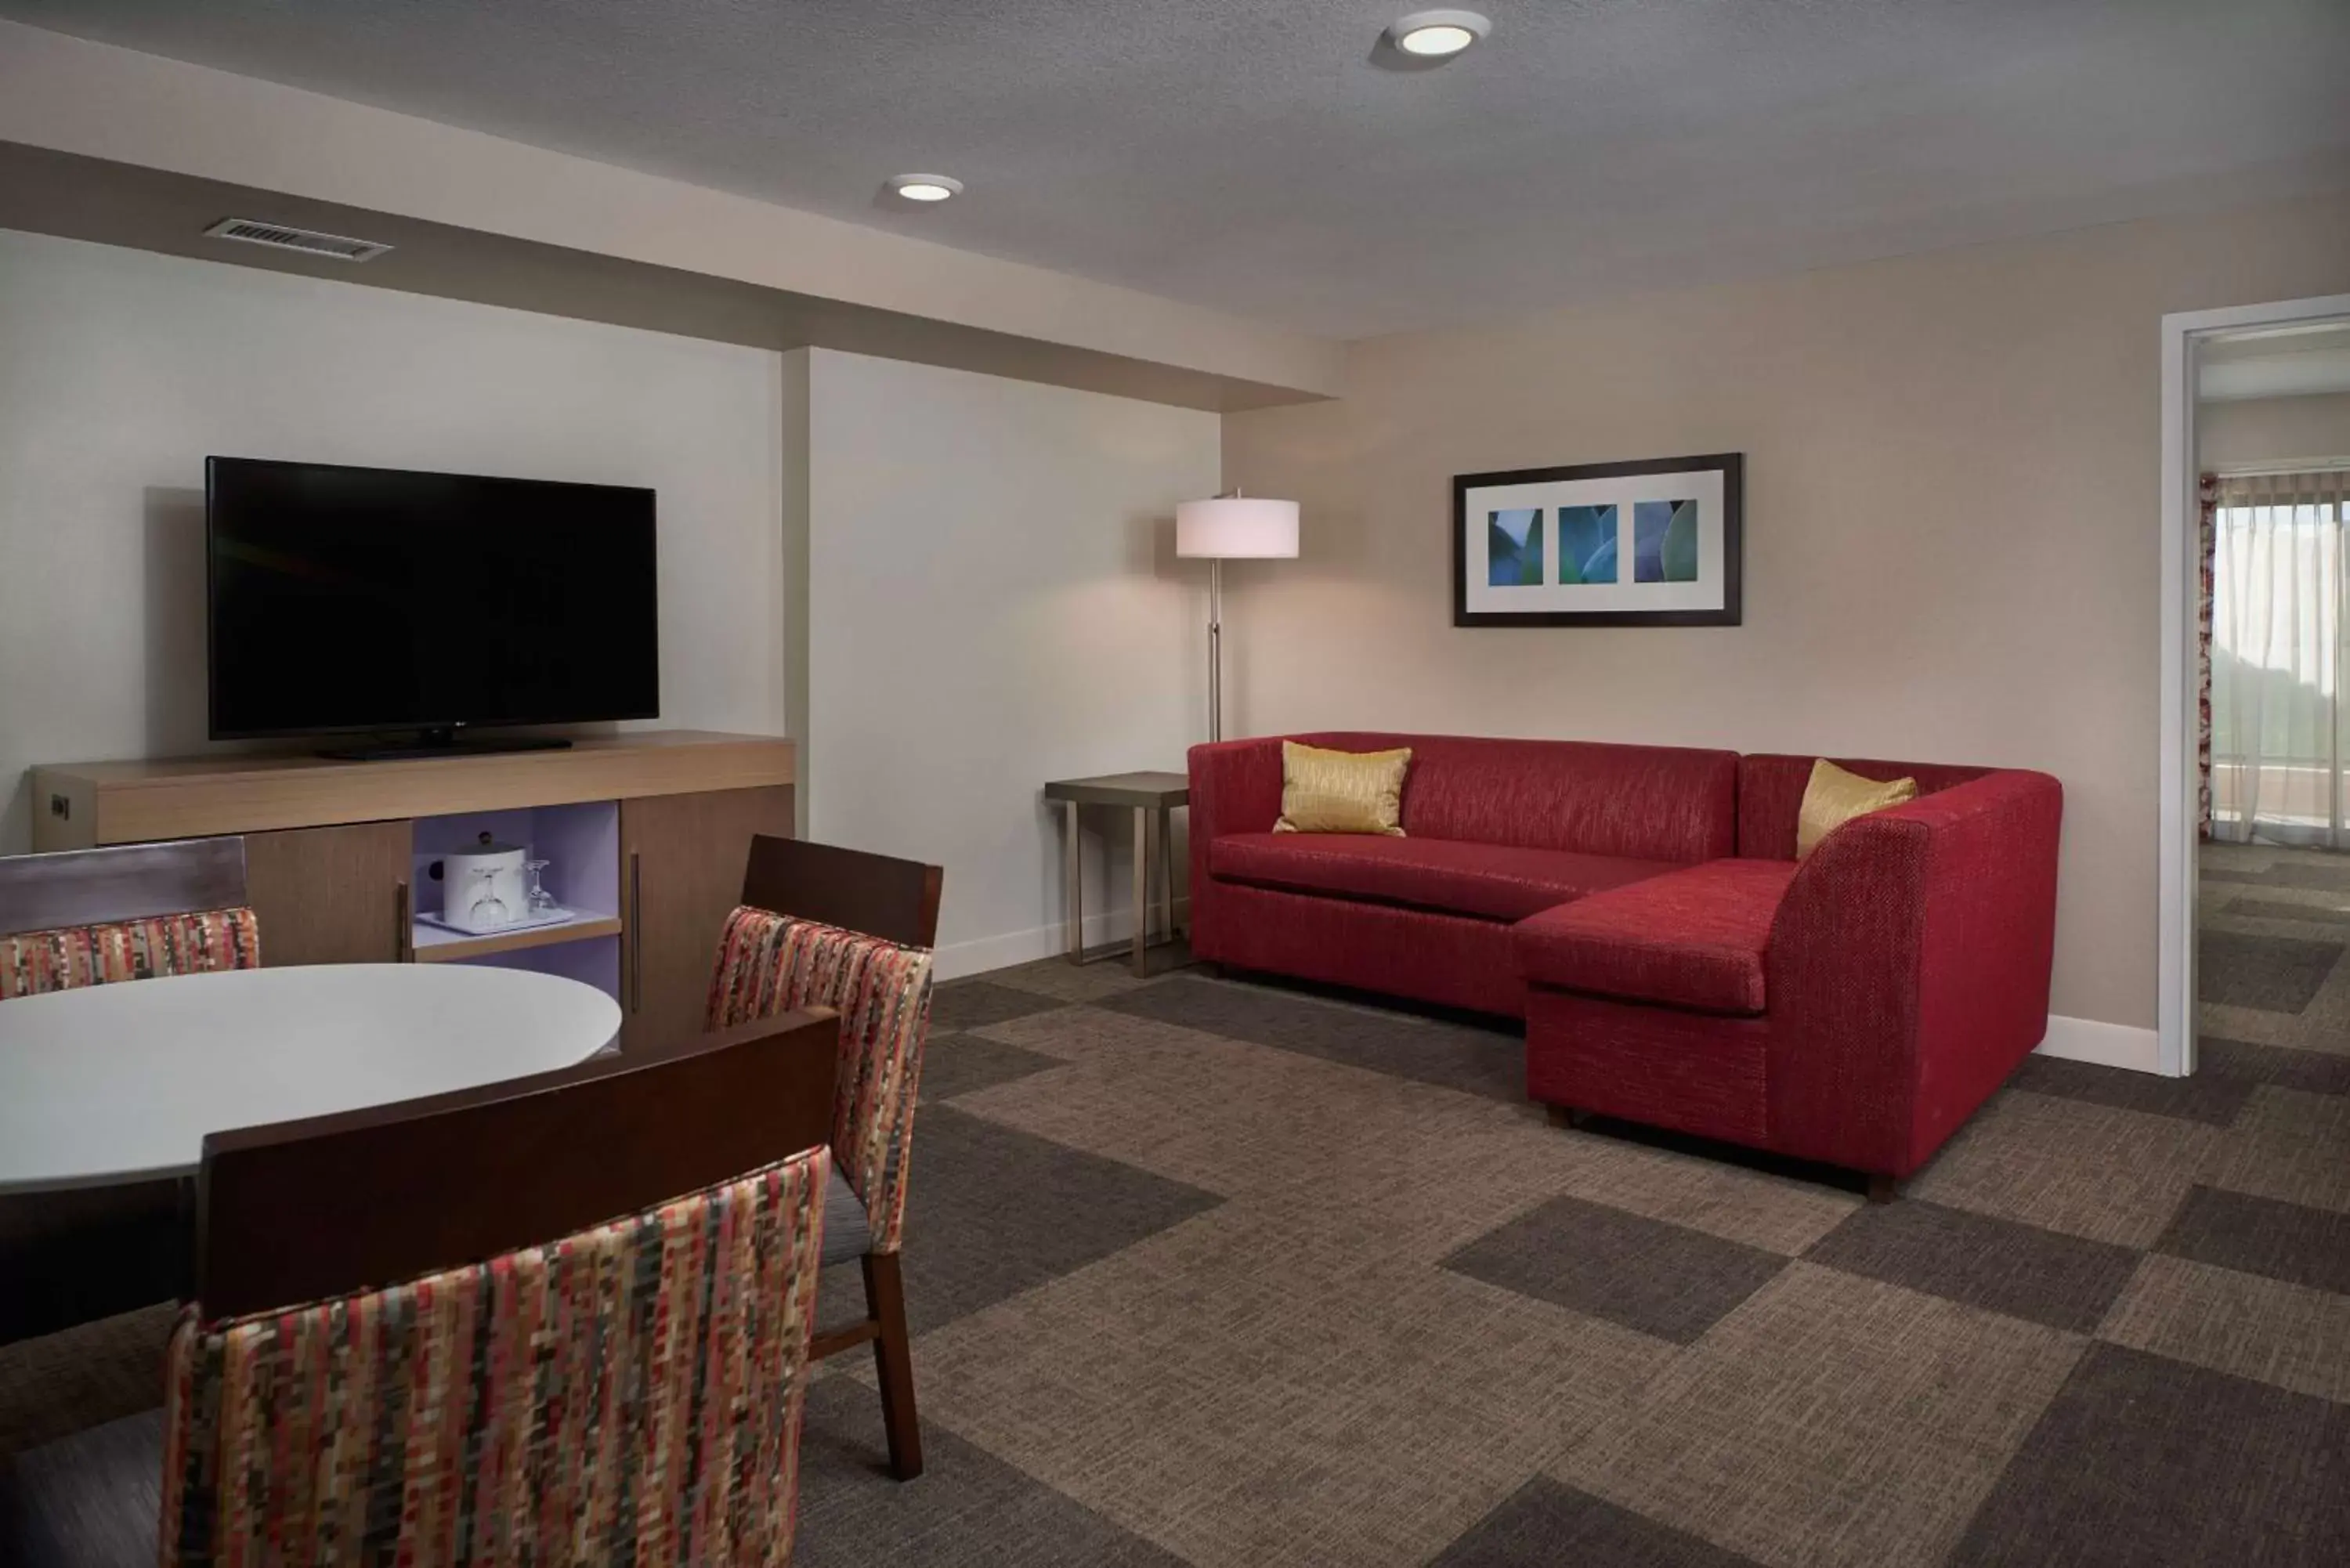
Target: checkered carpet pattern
1216 1273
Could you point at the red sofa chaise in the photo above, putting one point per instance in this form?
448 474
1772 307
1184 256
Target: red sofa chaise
1641 907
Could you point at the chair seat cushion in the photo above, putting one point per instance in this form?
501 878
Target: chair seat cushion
1692 938
848 1233
1492 881
92 1500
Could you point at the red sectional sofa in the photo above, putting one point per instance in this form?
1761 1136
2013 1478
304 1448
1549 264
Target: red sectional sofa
1642 909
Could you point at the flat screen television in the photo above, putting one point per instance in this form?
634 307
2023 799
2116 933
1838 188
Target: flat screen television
349 600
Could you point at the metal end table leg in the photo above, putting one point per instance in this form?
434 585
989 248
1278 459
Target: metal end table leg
1073 911
1142 833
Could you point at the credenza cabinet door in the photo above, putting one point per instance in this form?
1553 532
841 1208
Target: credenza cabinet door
681 863
330 895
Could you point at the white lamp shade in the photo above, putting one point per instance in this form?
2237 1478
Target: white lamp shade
1237 528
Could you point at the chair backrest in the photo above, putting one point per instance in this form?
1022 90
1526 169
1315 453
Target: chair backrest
879 894
303 1210
88 917
627 1385
128 882
769 962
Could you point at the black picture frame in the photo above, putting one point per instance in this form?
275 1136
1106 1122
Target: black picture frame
1732 468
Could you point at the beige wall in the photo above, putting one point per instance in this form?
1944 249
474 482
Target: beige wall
1952 523
2273 430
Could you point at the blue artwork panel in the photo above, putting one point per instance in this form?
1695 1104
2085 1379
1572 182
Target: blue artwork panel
1513 547
1664 541
1586 544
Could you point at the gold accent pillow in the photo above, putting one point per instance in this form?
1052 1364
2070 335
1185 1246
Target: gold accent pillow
1341 792
1835 797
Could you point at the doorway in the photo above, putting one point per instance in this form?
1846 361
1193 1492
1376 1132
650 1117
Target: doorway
2255 923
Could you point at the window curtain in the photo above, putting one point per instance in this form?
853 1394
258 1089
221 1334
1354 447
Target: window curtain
2277 658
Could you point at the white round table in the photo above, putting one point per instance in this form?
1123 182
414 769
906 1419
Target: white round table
120 1082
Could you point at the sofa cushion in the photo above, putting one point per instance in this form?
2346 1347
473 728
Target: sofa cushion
1490 880
1692 938
1648 803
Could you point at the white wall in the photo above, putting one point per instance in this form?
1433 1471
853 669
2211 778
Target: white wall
994 601
121 371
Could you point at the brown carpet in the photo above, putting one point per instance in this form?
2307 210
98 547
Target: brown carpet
1213 1273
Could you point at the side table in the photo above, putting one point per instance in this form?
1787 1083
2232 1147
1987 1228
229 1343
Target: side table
1152 797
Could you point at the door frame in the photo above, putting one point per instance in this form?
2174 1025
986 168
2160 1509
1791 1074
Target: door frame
2182 570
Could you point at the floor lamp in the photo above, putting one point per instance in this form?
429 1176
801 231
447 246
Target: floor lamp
1231 528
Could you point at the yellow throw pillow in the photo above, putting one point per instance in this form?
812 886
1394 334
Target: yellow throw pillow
1835 797
1341 792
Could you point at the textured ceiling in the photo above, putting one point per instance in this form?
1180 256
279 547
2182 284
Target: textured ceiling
1260 157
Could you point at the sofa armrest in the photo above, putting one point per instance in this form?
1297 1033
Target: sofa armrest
1236 788
1909 970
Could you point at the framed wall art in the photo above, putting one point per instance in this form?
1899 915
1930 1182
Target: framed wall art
1654 543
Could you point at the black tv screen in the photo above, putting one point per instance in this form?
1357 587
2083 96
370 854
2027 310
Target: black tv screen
374 598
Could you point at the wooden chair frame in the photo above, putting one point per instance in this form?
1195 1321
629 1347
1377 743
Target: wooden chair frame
306 1209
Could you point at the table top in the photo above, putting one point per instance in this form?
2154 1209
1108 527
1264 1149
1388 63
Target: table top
120 1082
1124 789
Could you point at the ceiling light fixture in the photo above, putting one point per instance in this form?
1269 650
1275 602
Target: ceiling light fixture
1433 35
925 187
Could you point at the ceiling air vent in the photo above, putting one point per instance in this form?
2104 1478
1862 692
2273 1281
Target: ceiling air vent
309 240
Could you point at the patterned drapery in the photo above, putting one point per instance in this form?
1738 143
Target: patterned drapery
2207 492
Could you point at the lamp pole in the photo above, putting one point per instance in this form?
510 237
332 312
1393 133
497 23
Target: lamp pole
1215 648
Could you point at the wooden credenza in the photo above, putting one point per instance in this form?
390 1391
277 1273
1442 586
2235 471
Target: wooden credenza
658 826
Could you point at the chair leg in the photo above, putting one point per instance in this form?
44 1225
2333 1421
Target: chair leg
884 1297
1883 1188
1566 1117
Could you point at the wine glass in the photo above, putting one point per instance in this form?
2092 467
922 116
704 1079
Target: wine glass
542 902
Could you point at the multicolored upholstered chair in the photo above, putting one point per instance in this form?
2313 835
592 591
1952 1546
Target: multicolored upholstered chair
840 927
89 917
627 1392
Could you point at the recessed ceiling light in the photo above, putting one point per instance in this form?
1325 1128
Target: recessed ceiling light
925 187
1432 35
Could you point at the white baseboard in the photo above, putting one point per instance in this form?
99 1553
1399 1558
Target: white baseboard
2107 1045
977 956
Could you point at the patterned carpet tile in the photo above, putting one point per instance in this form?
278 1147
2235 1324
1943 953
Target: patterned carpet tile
1831 1422
969 1509
2329 873
2290 1335
2141 1460
2274 974
1997 1264
992 1212
99 1372
972 1003
1197 1394
2209 1097
956 1064
2287 1145
2314 1072
2263 1236
1479 1061
2089 1171
1063 981
2326 912
1543 1524
1659 1279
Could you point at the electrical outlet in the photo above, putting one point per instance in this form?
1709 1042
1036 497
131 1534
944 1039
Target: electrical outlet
61 808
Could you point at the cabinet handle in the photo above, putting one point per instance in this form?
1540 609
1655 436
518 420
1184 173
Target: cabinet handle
636 933
403 937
